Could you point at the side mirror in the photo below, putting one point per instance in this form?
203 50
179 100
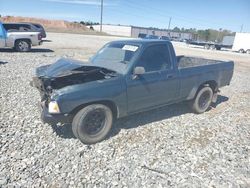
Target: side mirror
138 71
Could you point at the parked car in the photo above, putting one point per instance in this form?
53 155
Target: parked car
123 78
23 27
40 28
20 41
142 35
152 37
164 38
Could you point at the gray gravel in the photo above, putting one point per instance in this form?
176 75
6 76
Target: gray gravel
162 148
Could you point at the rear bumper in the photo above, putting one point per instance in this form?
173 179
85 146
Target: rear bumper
53 118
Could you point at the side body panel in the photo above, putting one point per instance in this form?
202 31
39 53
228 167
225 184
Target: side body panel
191 78
13 36
153 88
112 90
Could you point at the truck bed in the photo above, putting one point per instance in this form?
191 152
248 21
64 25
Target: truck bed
186 62
195 71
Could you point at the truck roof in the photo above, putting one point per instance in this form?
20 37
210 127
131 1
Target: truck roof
142 41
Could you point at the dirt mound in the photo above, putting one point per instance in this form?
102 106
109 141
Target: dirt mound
50 25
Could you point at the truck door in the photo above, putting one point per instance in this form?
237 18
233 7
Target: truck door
2 36
153 88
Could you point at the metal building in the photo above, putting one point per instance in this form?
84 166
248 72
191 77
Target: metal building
133 31
159 32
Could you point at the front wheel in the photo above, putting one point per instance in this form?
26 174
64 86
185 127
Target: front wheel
248 51
202 100
22 46
93 123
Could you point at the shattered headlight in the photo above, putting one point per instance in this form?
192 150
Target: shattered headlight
53 107
54 95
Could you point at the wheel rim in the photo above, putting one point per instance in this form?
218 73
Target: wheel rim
23 46
204 100
212 47
241 51
94 122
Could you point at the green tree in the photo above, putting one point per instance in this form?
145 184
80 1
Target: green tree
176 29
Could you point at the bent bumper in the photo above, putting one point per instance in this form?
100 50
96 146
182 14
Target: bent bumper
54 118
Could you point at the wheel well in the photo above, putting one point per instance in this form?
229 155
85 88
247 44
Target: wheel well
28 40
241 49
211 83
108 103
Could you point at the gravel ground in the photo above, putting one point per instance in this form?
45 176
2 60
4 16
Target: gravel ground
162 148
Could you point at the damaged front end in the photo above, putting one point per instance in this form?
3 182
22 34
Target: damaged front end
50 78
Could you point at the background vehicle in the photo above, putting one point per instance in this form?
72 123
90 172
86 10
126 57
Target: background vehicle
20 41
226 43
164 38
142 35
242 43
24 27
123 78
147 36
40 28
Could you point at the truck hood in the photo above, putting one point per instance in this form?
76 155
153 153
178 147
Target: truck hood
67 72
61 68
65 67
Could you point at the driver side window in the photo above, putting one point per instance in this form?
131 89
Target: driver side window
155 58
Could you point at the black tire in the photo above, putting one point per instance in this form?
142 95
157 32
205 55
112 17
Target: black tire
241 51
202 100
248 51
206 46
22 46
92 123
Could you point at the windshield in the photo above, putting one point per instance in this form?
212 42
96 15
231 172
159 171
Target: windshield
115 56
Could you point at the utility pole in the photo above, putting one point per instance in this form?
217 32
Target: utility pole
169 23
101 15
241 28
217 38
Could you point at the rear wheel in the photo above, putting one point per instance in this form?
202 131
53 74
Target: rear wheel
241 51
212 47
248 51
207 46
202 100
93 123
22 45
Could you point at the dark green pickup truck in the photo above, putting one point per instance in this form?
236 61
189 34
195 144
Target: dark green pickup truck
123 78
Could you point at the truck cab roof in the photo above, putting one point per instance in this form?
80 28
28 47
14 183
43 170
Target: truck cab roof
142 41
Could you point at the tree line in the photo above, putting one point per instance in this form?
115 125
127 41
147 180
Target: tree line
206 34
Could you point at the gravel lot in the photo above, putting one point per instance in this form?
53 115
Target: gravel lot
162 148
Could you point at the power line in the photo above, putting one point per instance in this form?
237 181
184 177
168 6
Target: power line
148 16
170 14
